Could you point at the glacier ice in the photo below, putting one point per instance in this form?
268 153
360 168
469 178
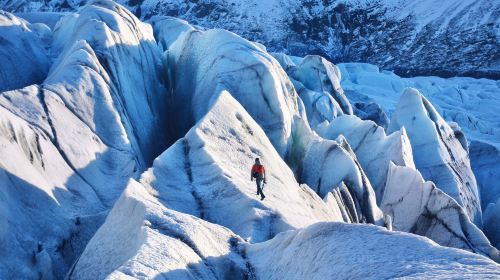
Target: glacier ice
492 223
163 243
437 152
72 142
320 75
371 111
420 207
373 148
203 63
127 52
348 251
159 242
81 135
485 161
317 82
207 174
332 170
24 52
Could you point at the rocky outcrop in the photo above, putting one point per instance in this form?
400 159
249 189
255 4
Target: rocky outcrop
412 38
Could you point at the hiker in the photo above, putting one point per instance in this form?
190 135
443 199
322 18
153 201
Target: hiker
259 173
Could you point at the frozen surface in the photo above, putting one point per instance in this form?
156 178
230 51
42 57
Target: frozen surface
472 103
347 251
48 18
373 148
320 75
159 243
115 98
485 161
131 62
162 243
23 53
492 223
440 154
419 207
207 174
317 81
71 143
203 63
332 170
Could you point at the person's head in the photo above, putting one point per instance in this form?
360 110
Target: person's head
257 161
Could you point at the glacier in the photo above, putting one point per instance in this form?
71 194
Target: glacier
467 102
23 55
440 154
127 145
420 207
167 244
206 174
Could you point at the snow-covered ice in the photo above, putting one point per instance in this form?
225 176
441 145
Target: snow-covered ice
23 53
159 242
373 148
419 207
160 122
71 143
439 153
207 174
162 243
203 63
347 251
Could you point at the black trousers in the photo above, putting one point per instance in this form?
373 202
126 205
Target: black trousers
259 182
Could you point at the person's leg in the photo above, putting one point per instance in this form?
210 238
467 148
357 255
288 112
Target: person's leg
259 189
259 183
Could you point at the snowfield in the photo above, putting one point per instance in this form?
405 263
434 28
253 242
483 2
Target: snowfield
126 149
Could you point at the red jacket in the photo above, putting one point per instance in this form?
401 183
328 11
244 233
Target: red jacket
258 169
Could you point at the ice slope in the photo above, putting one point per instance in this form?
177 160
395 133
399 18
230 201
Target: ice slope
329 113
419 207
100 117
350 251
71 143
165 244
492 223
373 148
317 82
44 203
128 54
203 63
320 75
332 170
160 243
439 153
24 52
472 103
485 161
258 82
207 174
